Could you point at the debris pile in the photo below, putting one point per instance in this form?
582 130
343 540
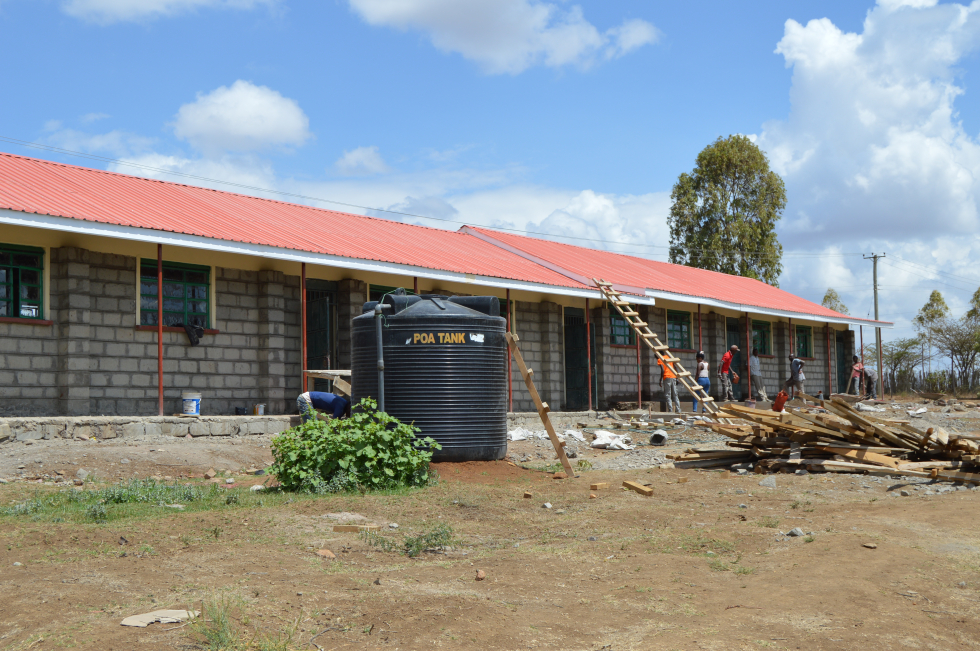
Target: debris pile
834 436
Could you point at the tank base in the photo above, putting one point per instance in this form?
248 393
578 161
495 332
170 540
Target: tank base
473 453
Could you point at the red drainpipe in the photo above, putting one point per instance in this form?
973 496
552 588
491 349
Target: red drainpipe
302 323
510 377
861 379
160 325
588 351
748 346
639 379
700 342
830 377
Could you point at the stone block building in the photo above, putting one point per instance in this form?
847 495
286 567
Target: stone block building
80 334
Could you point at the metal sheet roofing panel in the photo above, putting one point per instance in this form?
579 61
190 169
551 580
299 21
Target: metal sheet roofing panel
663 276
43 187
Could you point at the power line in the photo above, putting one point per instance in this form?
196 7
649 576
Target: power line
116 161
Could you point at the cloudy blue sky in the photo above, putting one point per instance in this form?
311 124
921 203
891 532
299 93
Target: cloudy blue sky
567 118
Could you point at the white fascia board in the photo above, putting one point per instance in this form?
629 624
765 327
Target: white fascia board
741 307
168 238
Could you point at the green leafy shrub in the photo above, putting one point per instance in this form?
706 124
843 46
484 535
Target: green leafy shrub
369 449
438 536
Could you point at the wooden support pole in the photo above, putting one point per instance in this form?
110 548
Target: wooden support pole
748 348
639 377
700 341
542 407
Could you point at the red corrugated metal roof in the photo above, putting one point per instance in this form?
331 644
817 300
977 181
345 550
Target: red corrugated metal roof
663 276
43 187
47 188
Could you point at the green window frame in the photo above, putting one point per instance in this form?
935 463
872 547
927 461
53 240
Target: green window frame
621 333
186 294
762 337
679 330
21 282
804 341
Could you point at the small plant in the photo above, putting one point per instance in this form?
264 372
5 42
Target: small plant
97 513
719 565
583 464
215 627
216 532
369 449
768 522
440 535
744 570
809 539
232 499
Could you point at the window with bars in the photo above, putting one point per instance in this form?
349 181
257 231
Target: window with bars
762 337
186 294
21 282
804 341
679 330
621 332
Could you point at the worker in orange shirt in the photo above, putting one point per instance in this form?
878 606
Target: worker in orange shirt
668 382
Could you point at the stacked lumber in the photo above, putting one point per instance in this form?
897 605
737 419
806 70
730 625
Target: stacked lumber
833 436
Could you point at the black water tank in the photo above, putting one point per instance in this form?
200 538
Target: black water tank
445 370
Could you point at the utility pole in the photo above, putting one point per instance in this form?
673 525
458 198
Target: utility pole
881 371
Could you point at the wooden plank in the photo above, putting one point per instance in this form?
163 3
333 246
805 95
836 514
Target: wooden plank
638 488
599 485
339 386
512 340
864 455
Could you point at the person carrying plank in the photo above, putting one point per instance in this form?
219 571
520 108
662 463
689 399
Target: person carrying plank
669 376
723 374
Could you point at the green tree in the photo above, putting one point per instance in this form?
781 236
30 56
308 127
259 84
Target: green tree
974 312
831 301
723 214
931 313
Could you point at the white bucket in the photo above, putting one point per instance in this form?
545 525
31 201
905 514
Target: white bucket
259 409
191 403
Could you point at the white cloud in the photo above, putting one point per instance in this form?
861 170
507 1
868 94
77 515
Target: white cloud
114 11
243 117
114 143
509 36
875 157
88 118
362 161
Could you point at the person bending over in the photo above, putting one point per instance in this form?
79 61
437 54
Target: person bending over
330 403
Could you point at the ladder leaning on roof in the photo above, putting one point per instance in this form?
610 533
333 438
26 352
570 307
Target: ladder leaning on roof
653 343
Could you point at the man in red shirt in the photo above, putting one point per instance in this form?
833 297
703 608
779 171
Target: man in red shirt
726 380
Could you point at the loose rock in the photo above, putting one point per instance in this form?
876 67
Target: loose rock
768 482
480 575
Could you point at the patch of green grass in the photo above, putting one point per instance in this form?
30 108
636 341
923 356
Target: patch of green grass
440 535
224 625
719 565
768 522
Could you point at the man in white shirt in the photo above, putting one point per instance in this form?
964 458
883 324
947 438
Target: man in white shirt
755 370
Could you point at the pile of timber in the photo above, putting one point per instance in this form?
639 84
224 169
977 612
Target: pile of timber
832 436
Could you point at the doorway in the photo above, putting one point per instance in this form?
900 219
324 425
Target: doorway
843 362
733 337
577 362
321 329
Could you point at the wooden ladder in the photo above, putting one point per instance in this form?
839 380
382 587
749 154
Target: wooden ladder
653 343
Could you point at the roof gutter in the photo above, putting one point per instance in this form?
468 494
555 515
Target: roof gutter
744 307
169 238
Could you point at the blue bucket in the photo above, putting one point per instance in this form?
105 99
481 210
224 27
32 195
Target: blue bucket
191 404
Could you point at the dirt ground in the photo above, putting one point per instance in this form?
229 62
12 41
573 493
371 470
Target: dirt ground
704 563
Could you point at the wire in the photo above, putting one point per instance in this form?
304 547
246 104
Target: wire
116 161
